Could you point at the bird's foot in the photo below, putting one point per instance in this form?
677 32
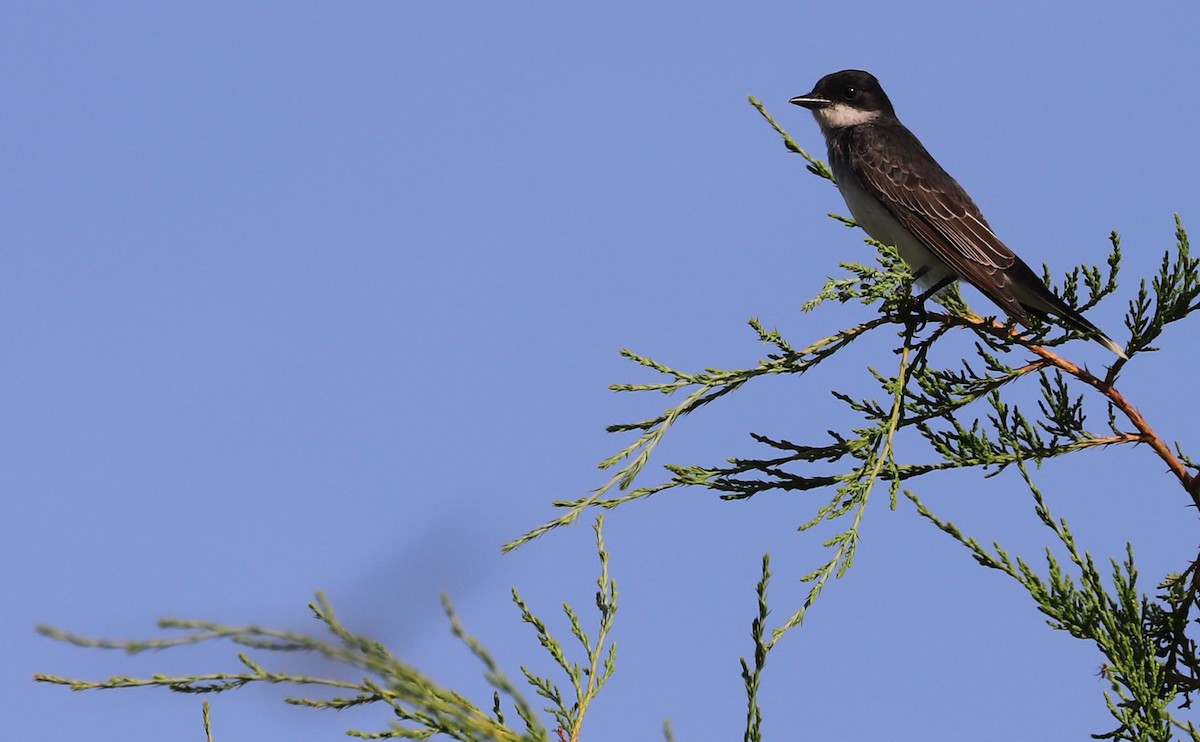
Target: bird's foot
914 317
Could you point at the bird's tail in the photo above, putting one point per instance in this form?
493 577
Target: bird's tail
1050 303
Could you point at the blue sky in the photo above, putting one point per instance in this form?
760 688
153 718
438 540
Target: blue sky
308 296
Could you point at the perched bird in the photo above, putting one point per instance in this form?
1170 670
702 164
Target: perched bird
901 196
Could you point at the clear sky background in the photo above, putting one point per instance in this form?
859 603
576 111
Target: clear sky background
327 296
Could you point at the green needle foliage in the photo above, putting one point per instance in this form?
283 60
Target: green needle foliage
955 412
958 408
420 708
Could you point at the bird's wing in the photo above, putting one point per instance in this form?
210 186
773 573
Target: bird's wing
936 209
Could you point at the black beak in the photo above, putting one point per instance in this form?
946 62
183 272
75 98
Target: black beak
811 101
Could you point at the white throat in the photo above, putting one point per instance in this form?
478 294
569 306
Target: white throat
840 115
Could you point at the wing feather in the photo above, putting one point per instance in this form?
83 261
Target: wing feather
935 208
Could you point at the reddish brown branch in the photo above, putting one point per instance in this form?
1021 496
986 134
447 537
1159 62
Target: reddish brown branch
1106 386
1146 434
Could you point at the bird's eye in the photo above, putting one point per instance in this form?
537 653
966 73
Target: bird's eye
850 93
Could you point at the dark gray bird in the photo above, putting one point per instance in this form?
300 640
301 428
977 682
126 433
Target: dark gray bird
901 196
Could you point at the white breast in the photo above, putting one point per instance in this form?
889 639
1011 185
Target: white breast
882 226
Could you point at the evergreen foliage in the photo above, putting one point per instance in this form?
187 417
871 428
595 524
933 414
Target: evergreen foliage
957 406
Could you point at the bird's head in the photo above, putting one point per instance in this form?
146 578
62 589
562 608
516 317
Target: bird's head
846 98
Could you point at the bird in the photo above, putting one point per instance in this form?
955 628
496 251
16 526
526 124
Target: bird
902 197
